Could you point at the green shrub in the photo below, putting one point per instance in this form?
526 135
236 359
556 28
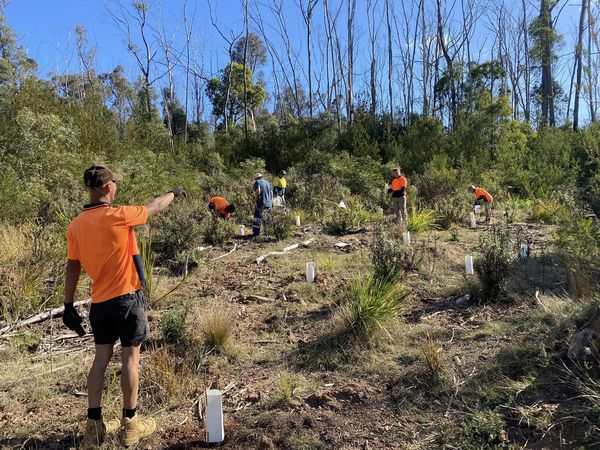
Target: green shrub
390 256
173 327
579 254
370 303
550 211
340 221
494 264
279 224
177 232
449 211
218 231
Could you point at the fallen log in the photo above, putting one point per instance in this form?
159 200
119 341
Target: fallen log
224 255
284 251
41 317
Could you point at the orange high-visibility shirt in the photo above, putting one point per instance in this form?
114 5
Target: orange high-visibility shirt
399 183
101 238
220 205
482 192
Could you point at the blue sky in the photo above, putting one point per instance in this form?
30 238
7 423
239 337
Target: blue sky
46 29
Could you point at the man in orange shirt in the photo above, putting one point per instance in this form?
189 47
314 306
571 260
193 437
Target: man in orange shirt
481 195
220 206
101 240
398 192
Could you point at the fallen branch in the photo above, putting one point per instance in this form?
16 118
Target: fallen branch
229 253
284 251
41 317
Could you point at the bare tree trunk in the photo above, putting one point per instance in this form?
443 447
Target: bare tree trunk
390 57
425 58
244 74
579 62
373 39
350 95
527 72
592 86
307 15
449 64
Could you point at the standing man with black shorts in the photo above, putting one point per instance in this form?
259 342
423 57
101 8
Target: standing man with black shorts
101 240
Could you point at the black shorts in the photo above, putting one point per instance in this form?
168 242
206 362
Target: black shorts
123 317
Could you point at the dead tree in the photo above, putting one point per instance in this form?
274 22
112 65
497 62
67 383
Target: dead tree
373 32
307 15
579 63
390 57
144 56
350 88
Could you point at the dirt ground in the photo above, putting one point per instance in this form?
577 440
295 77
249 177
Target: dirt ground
290 383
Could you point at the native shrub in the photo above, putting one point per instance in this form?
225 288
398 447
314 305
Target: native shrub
494 265
341 220
279 225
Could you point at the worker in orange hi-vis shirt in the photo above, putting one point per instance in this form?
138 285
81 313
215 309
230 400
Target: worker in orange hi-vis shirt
482 196
220 207
398 192
101 241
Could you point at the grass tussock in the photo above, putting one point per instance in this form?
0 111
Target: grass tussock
431 354
421 220
369 303
285 387
217 327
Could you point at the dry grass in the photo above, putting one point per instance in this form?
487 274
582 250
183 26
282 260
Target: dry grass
218 327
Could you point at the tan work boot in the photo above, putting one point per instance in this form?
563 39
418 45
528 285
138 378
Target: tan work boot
96 431
134 429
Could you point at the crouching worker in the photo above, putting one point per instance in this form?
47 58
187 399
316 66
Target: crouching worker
220 207
101 240
482 196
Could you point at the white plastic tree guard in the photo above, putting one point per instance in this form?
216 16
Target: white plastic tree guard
242 230
310 272
469 265
406 237
297 221
473 220
215 432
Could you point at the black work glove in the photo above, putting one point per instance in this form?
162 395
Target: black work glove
72 319
178 192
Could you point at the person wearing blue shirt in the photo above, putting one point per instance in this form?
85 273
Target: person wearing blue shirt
262 198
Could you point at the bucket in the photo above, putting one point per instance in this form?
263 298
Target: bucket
310 272
469 265
214 416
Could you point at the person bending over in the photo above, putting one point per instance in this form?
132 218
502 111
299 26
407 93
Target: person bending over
482 196
220 207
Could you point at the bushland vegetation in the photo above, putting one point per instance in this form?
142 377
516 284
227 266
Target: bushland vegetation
538 172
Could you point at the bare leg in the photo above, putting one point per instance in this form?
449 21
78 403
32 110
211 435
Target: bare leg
130 375
95 379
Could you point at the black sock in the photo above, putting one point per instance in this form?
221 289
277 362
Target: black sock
129 413
95 413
